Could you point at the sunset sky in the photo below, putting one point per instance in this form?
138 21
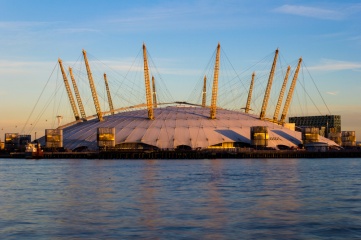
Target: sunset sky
181 37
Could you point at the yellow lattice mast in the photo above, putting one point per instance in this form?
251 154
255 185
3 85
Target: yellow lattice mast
154 93
77 95
110 101
269 86
290 93
248 105
280 98
92 87
215 84
204 93
70 95
147 85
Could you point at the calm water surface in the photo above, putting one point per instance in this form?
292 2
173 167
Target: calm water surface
180 199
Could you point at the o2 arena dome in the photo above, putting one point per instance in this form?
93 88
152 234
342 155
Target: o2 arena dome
182 125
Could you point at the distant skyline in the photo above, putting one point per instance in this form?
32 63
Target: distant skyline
181 36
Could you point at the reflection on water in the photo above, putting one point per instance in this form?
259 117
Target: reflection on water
180 199
148 201
276 202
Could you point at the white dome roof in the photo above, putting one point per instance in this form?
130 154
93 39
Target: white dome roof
175 126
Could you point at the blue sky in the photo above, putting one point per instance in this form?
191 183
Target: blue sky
181 37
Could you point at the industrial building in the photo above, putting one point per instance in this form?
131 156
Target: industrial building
328 126
327 123
16 142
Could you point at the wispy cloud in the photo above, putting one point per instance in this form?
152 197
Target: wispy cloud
332 93
157 13
122 66
355 38
333 35
77 30
13 25
329 65
354 8
23 67
177 15
312 12
126 66
154 18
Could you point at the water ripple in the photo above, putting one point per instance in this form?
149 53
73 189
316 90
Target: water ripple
193 199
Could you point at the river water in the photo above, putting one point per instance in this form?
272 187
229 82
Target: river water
180 199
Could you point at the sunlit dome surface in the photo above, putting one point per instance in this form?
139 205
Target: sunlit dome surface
176 126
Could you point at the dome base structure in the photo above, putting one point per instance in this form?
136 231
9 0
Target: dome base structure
180 127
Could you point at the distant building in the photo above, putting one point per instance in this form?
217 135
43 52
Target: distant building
348 138
14 141
326 123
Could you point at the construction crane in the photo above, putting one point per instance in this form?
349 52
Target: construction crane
77 95
282 93
248 105
204 93
108 94
154 93
70 95
92 87
215 84
147 85
269 86
290 93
